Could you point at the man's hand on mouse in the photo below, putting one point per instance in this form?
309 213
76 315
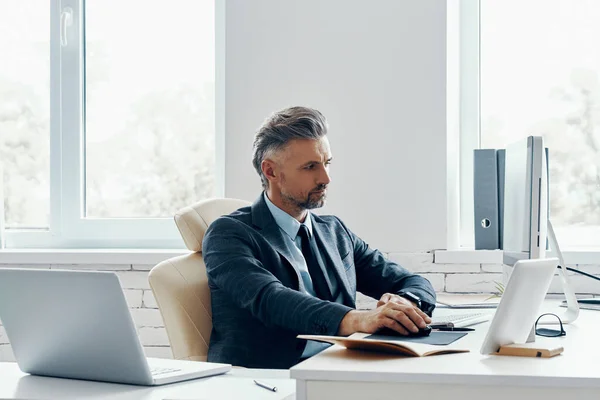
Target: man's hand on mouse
399 316
394 297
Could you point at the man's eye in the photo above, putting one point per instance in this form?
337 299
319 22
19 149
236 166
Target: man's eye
311 166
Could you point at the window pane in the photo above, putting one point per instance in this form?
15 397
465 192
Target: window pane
25 111
150 124
540 68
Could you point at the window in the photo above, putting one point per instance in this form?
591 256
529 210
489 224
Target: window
539 74
109 109
25 112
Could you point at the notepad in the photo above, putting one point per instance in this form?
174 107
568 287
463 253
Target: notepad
359 341
435 338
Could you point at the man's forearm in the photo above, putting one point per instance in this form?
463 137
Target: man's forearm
350 323
280 306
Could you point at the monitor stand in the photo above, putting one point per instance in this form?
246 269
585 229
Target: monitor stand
572 312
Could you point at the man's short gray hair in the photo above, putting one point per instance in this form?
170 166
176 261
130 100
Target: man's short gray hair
282 127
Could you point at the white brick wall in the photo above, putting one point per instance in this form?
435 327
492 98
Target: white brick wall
6 353
437 281
491 268
424 262
134 279
149 300
158 351
3 338
133 297
455 277
146 317
581 284
472 283
153 336
451 277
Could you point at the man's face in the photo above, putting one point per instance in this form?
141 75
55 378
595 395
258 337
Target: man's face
302 170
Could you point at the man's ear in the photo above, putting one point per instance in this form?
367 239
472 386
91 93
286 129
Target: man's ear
270 170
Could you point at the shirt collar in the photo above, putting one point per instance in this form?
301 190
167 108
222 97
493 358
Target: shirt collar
285 221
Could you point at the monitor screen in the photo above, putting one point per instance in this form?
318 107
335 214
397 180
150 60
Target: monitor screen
525 200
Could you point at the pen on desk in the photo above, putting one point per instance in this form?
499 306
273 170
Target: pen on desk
264 385
451 329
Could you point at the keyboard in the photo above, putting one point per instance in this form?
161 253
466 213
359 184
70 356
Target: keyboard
459 320
161 370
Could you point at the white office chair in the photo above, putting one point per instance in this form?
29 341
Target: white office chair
180 284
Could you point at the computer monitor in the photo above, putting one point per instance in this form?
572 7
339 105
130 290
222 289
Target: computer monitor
525 200
527 225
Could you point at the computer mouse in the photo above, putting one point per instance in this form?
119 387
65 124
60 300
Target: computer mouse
422 332
390 332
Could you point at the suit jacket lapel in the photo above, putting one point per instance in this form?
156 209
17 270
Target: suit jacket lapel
263 220
332 258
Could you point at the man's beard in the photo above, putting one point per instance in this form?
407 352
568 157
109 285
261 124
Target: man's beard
311 201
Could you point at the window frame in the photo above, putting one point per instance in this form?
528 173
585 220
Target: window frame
68 228
469 116
470 128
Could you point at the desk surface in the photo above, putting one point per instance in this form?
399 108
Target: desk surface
237 384
578 366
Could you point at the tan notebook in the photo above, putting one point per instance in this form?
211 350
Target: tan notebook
357 341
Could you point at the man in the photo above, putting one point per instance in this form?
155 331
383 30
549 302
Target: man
276 270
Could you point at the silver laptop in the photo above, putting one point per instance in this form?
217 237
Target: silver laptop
76 324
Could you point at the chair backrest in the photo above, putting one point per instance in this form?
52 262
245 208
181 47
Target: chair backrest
180 284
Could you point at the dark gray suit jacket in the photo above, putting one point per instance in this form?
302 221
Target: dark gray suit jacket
258 303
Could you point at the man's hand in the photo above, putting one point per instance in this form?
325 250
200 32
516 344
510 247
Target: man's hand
395 298
403 318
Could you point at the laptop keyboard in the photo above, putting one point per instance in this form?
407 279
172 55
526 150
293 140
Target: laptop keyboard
460 320
162 370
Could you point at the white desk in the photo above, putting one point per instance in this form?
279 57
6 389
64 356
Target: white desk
236 384
348 374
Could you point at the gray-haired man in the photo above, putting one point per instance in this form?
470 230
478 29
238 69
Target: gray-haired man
277 270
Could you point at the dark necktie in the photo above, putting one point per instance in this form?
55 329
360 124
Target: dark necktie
309 251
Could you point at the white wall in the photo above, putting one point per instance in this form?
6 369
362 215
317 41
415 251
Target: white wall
377 70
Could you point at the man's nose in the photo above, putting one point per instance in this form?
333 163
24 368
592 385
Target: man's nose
324 177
